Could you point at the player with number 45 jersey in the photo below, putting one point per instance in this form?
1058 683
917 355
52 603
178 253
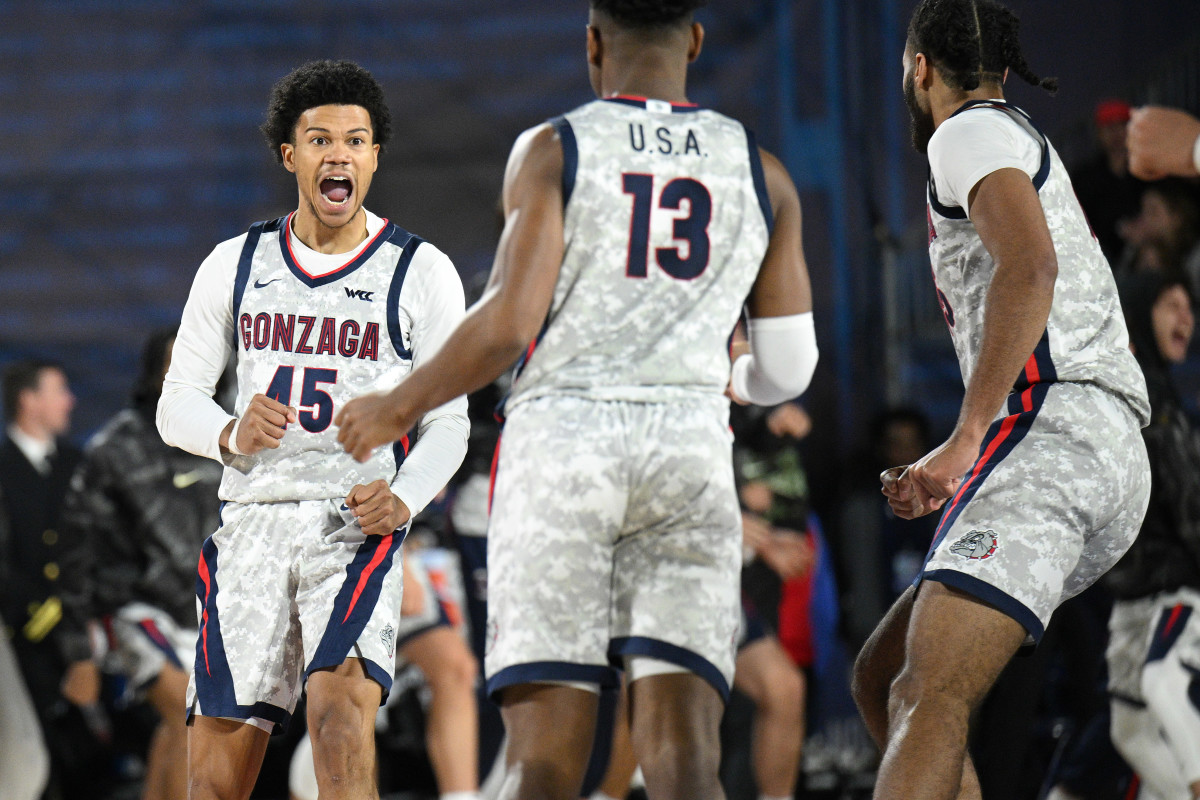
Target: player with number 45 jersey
301 583
636 229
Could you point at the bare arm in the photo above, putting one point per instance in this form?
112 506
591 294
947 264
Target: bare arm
1010 221
782 287
505 320
782 353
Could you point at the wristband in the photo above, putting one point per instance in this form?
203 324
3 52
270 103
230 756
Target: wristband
233 448
1196 154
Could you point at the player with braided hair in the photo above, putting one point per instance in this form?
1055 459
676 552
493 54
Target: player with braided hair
636 228
1044 480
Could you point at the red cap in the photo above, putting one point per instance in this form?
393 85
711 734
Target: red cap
1111 112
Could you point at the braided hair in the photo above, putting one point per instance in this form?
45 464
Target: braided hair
321 83
970 41
647 13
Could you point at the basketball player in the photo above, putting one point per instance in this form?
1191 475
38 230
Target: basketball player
636 227
301 582
1044 479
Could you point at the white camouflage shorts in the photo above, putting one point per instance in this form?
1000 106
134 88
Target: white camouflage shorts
1146 629
1056 498
143 640
614 532
284 589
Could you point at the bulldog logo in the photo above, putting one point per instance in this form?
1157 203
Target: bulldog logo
976 545
388 636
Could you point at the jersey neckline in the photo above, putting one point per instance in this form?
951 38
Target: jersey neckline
642 102
356 261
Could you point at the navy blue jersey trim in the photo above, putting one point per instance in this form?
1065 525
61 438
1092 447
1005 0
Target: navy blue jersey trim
640 102
949 212
384 235
408 247
665 651
570 148
532 672
994 597
245 261
760 180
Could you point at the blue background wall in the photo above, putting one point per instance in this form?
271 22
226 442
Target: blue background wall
130 148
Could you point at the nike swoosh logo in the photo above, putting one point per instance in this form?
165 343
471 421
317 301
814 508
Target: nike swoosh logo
258 285
183 480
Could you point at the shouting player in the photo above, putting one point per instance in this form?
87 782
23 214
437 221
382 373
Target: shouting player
301 582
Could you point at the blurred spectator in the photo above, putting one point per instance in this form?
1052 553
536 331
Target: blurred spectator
1165 235
1154 648
132 526
1106 190
879 553
24 761
1162 142
36 464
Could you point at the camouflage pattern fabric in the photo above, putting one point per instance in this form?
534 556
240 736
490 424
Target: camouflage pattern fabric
615 531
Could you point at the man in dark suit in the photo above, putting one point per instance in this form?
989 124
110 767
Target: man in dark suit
36 465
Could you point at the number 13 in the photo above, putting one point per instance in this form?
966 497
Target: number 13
692 229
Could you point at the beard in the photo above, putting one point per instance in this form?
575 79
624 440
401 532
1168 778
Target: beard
920 121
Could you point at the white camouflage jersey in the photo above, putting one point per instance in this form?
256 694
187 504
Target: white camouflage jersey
314 342
666 223
1086 340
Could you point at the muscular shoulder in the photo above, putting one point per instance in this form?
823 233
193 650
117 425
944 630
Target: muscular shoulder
538 152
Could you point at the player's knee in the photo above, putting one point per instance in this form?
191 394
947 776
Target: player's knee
547 778
913 691
681 767
341 719
784 697
458 670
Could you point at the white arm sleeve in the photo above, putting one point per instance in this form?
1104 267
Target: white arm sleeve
783 355
188 417
437 307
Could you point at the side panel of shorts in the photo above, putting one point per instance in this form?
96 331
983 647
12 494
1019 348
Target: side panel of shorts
1055 499
614 532
1147 629
285 588
145 640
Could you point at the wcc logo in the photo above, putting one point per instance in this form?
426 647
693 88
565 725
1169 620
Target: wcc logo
976 545
360 294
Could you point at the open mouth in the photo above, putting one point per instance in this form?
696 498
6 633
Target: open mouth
337 190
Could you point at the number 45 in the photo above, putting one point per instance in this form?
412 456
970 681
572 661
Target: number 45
321 404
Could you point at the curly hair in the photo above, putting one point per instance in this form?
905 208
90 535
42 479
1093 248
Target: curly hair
647 13
320 83
970 40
